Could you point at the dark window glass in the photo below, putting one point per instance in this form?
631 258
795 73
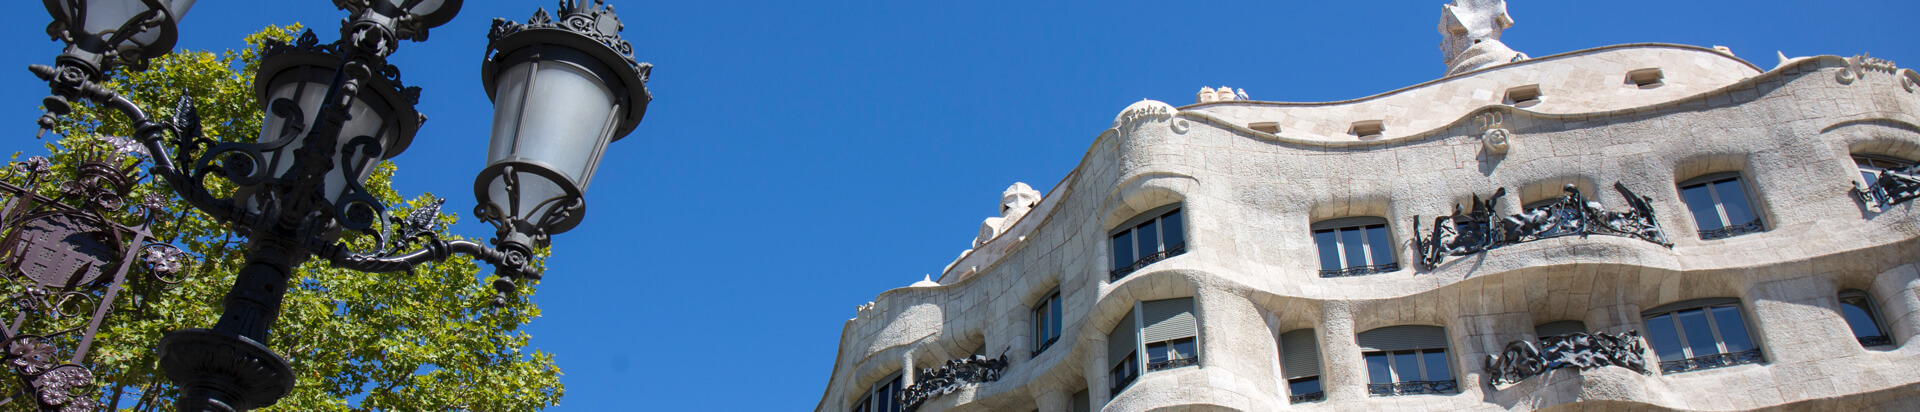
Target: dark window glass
1123 249
1406 366
1859 312
1302 386
1436 363
1378 370
1148 237
1733 329
1355 246
1693 322
1378 243
1662 335
1700 202
1046 322
1734 198
1172 229
1329 252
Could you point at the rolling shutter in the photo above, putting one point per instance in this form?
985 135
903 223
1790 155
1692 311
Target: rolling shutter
1164 320
1299 354
1559 328
1403 337
1120 341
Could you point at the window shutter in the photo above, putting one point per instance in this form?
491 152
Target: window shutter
1299 353
1558 328
1403 338
1690 304
1120 341
1166 320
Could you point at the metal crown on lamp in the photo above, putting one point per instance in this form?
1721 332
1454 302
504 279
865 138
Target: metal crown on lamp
562 90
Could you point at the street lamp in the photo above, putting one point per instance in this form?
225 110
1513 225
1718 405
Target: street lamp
563 89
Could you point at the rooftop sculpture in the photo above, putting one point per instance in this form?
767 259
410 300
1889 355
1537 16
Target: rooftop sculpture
1470 35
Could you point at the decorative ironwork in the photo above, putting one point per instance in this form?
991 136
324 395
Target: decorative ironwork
1175 250
1307 397
1173 363
63 261
1889 188
956 373
1522 360
1122 383
1871 341
1731 231
1412 388
1360 270
1473 232
1719 360
594 21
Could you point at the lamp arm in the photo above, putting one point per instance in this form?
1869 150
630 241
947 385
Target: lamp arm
434 250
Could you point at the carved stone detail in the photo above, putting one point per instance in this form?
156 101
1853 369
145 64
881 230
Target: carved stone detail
1470 35
952 376
1522 360
1015 202
1858 67
1493 132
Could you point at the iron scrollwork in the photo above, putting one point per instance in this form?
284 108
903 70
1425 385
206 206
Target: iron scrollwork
1890 187
1412 388
932 382
63 261
1462 234
1522 360
1174 250
1718 360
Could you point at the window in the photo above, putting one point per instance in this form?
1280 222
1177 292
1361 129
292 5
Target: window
1647 78
1164 336
1354 247
1524 96
1081 403
1169 329
1160 236
1368 129
882 397
1720 206
1870 168
1700 334
1407 360
1120 352
1046 322
1551 329
1300 364
1857 307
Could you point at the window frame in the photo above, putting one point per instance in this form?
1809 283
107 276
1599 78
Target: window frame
892 383
1293 377
1870 173
1338 227
1163 249
1390 342
1045 317
1727 228
1885 338
1694 362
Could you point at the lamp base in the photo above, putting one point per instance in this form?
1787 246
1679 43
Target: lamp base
219 371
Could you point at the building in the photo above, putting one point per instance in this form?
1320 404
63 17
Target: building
1646 225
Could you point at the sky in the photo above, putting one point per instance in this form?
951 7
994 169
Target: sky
800 158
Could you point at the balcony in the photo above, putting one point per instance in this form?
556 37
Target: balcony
1175 250
1711 361
1413 388
1359 270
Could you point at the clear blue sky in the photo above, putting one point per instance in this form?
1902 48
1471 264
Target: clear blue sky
799 158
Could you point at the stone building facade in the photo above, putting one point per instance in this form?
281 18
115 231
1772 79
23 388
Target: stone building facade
1645 225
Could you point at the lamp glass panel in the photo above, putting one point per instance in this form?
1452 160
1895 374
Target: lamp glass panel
307 87
561 121
535 191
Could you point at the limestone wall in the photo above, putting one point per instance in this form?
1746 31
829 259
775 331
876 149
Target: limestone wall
1249 198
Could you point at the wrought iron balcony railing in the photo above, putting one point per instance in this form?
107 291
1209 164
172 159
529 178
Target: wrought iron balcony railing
1731 231
1888 188
1121 384
1478 230
1582 350
1173 363
1359 270
1412 388
1711 361
1871 341
1175 250
1307 397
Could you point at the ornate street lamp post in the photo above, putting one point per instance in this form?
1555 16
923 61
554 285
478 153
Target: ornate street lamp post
562 91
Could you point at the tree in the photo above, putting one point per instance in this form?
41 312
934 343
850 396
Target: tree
430 339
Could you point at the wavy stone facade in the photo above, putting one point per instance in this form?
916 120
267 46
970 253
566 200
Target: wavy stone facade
1252 179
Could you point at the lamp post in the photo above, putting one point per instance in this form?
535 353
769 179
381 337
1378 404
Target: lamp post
563 89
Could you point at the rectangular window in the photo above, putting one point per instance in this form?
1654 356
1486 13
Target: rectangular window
1305 390
882 397
1704 334
1863 319
1354 247
1122 342
1169 329
1720 207
1046 322
1152 240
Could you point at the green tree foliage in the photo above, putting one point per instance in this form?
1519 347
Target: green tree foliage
427 340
